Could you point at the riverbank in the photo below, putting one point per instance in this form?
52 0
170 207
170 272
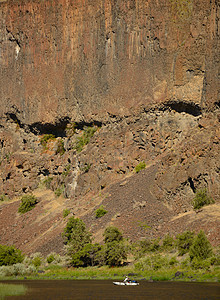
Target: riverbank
118 273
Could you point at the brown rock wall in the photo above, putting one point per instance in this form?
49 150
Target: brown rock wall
88 59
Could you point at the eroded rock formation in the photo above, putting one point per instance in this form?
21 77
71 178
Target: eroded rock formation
144 74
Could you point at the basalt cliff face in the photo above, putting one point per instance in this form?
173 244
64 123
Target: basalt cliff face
144 75
88 60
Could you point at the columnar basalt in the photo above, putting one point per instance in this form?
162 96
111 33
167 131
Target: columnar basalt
89 59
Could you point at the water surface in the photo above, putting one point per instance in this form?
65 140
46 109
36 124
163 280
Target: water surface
104 289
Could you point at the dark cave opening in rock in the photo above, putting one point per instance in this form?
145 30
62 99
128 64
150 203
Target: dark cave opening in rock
192 184
14 118
59 128
187 107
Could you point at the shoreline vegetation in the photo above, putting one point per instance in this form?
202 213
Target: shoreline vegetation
185 257
119 273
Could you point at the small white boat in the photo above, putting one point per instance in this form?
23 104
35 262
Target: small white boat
125 283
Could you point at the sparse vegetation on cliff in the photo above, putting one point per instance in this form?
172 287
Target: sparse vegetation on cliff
66 212
28 202
4 198
60 190
100 212
60 147
47 182
45 138
140 166
84 139
202 198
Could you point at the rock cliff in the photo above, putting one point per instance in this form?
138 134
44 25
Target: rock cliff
88 60
142 78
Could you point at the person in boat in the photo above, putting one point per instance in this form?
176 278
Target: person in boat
127 279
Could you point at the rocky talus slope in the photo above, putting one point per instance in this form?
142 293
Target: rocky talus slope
181 152
143 78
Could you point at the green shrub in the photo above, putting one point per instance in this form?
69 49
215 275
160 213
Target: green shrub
115 253
66 212
84 138
100 212
200 264
159 262
168 242
185 263
140 248
76 235
36 261
215 260
112 234
173 261
3 198
201 247
153 262
140 166
154 246
66 171
9 255
45 138
50 258
56 259
184 241
28 202
86 168
202 198
17 269
60 147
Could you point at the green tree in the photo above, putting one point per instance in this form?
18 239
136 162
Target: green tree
76 235
201 247
112 234
115 253
89 255
154 246
140 248
184 241
9 255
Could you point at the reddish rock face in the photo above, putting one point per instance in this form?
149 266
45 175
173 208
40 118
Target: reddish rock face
144 75
91 59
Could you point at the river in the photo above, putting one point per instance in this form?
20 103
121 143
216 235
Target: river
104 289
